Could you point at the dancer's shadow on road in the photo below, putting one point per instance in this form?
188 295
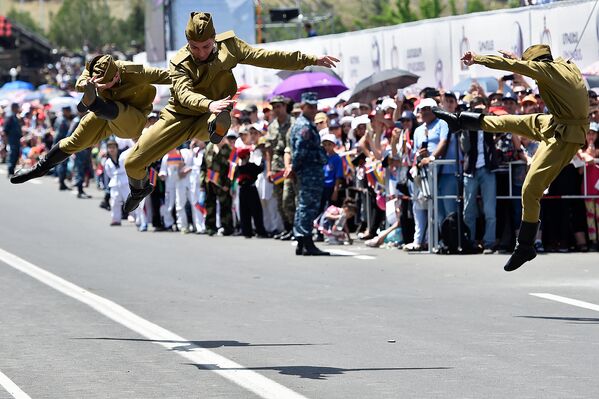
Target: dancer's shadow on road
186 346
314 372
570 320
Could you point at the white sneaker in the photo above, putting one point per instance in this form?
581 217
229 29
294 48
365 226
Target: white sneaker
411 247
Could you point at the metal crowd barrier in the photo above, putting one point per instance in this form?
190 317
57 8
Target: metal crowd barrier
433 233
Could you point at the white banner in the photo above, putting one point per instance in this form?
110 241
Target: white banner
487 34
432 48
425 50
561 28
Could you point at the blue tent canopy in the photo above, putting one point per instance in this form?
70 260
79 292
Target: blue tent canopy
18 85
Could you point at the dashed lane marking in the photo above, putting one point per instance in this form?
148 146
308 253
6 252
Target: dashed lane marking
234 372
12 388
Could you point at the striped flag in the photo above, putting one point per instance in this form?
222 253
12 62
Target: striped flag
174 158
212 176
348 166
152 176
232 164
375 176
278 177
232 169
233 157
201 208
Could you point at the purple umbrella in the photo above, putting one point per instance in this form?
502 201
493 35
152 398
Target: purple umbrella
325 85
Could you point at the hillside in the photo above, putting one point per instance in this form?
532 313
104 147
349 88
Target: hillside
352 15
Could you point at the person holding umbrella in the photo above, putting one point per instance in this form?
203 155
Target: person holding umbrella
561 133
202 87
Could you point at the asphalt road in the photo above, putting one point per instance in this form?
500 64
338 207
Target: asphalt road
383 324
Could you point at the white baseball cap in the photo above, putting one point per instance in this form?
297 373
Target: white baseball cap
426 102
328 137
360 120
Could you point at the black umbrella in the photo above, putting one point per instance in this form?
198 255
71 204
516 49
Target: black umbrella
383 83
311 68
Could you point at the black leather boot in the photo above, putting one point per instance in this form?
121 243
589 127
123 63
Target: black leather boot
219 126
464 120
45 163
452 119
311 250
104 109
299 250
140 189
525 249
470 120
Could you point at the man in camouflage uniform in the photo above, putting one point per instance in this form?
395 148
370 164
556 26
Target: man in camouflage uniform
119 95
308 158
216 163
201 91
561 133
277 151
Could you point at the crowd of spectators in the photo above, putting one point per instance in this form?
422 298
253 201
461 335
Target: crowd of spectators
378 179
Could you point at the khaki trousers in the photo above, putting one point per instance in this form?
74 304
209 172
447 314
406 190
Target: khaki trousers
169 132
91 129
551 157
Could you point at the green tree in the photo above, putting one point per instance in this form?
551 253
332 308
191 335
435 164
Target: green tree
475 6
514 3
383 14
88 22
454 8
404 11
430 9
132 29
24 19
82 22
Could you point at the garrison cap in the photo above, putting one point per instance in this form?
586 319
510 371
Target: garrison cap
103 66
199 27
535 51
309 97
279 100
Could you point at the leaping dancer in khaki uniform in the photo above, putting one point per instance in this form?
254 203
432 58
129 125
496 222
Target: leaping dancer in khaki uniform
561 133
202 88
119 96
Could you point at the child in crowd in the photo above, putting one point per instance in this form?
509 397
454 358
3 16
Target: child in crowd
183 190
249 200
198 197
118 184
333 223
169 173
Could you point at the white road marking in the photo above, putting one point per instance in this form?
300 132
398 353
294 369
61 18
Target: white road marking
12 388
364 257
342 252
3 172
569 301
33 181
234 372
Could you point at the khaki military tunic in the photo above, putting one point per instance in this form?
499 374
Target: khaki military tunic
134 96
561 132
194 86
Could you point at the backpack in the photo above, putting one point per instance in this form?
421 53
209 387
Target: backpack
449 237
